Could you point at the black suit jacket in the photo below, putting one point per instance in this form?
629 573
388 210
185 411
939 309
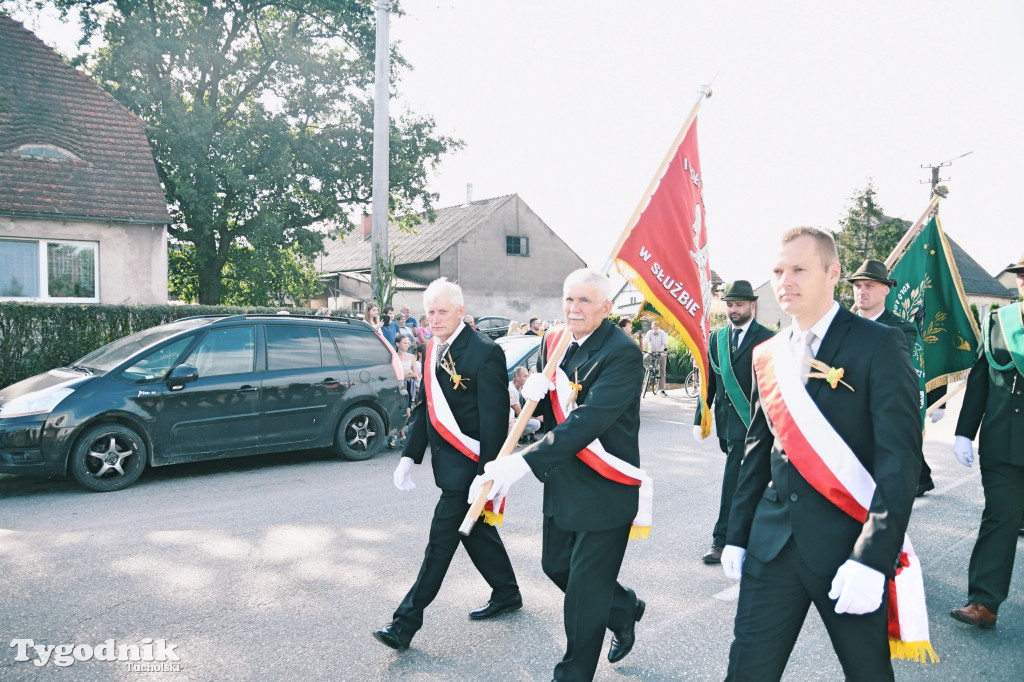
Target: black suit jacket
880 422
891 319
994 402
609 367
728 424
480 408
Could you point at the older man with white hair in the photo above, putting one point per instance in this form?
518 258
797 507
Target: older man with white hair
462 416
589 506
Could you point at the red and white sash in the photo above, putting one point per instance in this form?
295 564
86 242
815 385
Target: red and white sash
443 421
441 415
609 466
822 457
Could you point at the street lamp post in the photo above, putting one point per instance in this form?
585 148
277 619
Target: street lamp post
381 125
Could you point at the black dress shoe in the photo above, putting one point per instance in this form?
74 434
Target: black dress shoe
622 642
924 486
394 636
493 608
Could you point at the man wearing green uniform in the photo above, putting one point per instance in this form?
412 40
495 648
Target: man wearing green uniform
994 401
871 284
730 351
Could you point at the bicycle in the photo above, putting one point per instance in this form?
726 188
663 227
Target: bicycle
692 384
652 371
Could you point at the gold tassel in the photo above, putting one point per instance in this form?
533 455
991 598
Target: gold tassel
919 652
493 519
639 532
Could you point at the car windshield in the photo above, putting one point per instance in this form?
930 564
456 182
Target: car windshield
114 353
517 347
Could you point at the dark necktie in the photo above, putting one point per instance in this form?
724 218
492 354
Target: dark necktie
573 347
735 340
442 349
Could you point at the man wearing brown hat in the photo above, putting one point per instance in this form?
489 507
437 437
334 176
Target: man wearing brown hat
871 284
730 352
994 401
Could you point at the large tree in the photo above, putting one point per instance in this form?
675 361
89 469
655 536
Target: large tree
261 123
865 232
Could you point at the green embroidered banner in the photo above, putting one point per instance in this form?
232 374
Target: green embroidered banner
931 295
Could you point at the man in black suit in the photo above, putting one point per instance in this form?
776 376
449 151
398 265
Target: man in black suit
730 350
994 403
462 416
871 285
587 516
790 545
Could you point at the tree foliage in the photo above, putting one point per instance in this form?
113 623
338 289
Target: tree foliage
260 117
866 232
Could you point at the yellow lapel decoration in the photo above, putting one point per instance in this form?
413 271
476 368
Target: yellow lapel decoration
448 365
575 385
833 375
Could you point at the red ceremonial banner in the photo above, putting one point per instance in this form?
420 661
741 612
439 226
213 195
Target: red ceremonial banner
665 256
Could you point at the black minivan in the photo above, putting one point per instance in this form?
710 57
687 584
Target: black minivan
205 388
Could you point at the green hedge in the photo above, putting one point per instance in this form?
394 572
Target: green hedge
679 361
35 337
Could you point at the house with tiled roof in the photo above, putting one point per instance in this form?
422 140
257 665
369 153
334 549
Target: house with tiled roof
82 213
1009 280
507 260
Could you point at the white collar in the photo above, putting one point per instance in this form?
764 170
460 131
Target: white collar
874 317
581 339
450 339
743 328
820 328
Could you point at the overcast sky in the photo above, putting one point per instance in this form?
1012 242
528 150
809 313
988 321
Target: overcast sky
573 104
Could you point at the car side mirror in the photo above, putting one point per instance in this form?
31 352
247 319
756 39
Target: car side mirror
180 376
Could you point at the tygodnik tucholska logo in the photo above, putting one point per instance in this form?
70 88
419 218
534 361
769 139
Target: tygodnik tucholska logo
147 654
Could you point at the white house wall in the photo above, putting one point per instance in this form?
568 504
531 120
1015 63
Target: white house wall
132 259
518 287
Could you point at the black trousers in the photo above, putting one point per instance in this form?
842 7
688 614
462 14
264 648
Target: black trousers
483 545
774 600
988 577
585 566
733 450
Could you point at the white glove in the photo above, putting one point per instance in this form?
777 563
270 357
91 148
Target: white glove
732 561
938 414
536 387
698 435
403 474
964 450
857 588
504 471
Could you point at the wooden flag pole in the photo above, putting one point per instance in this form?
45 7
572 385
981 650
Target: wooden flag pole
911 234
941 402
705 93
517 431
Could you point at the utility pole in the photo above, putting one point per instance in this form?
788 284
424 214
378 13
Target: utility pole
935 179
381 153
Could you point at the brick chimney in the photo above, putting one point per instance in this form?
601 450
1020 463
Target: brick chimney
367 225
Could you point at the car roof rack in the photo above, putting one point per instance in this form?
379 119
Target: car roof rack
223 319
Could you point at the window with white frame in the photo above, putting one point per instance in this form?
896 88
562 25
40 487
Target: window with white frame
49 270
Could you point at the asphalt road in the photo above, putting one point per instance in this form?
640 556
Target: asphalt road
279 567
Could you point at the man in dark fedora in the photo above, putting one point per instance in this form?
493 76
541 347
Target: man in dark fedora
994 402
729 351
871 285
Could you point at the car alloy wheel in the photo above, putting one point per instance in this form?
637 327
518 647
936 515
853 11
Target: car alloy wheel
108 457
360 434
